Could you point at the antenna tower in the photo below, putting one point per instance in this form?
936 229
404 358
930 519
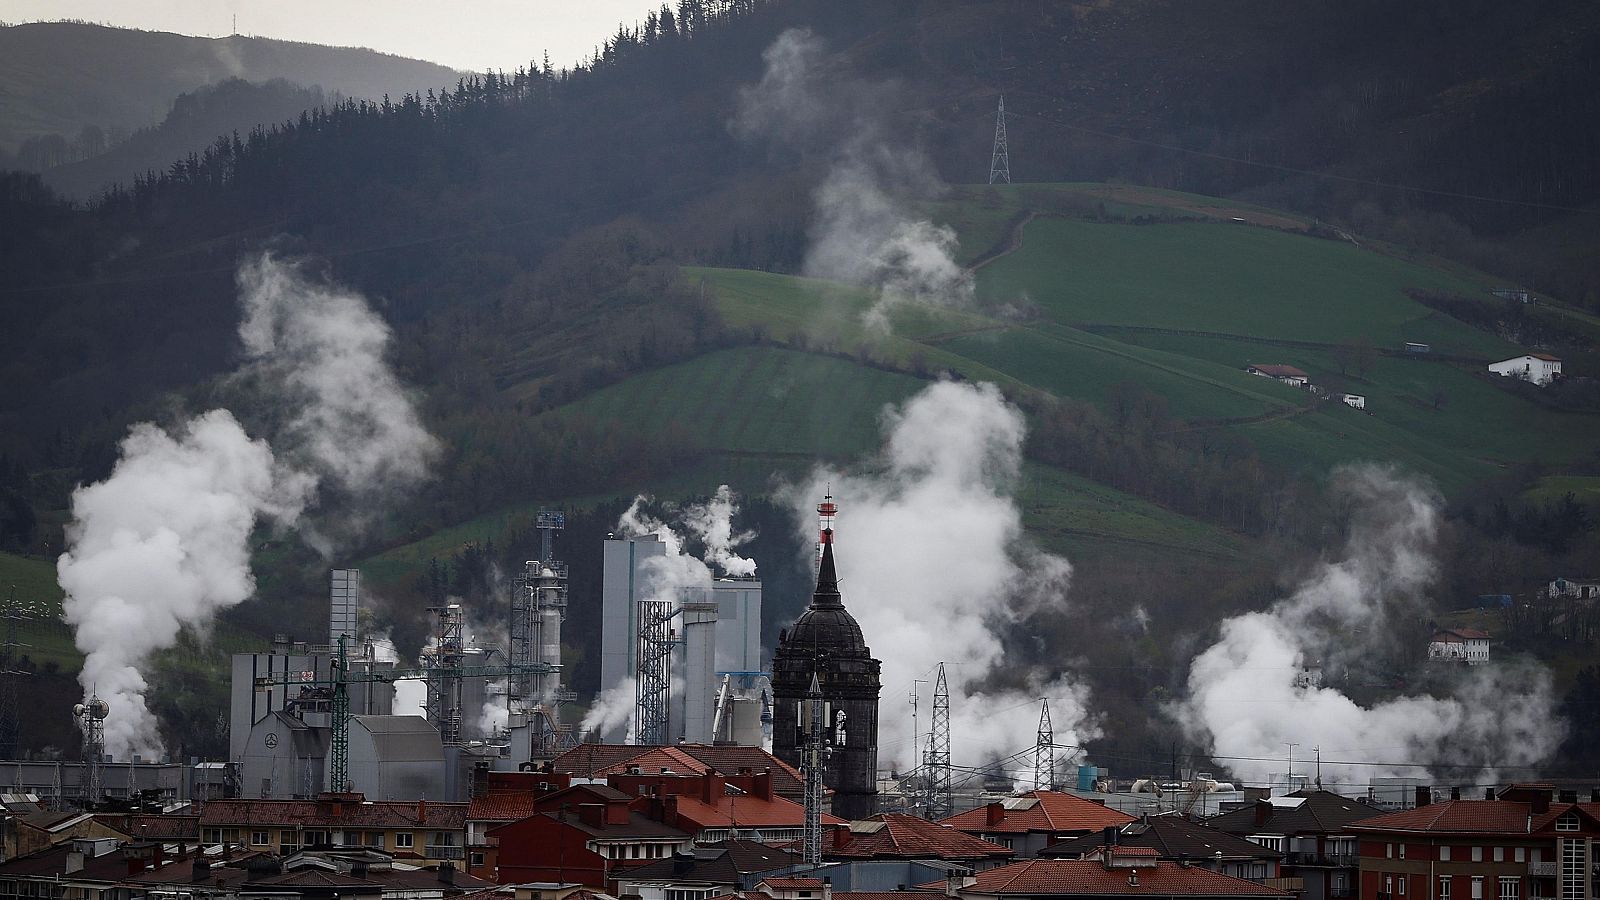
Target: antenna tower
654 687
10 675
1000 159
937 760
816 761
92 712
444 661
1044 751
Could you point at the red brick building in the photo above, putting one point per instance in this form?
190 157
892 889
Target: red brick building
1523 845
582 835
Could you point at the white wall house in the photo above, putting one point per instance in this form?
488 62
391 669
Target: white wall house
1579 590
1459 645
1354 401
1286 374
1539 368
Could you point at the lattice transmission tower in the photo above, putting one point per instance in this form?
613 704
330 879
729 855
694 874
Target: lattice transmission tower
940 804
1000 159
1044 751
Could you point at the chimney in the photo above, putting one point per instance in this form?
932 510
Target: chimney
1569 796
74 862
592 814
1541 803
1594 795
1263 812
956 882
762 786
447 873
358 869
1108 836
841 838
201 870
711 787
1424 796
422 812
1488 793
1455 793
994 813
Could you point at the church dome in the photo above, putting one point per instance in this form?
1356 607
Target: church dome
826 624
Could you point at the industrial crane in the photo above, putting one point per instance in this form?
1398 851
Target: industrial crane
342 677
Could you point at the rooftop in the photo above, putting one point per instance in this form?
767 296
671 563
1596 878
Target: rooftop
346 811
1467 817
899 836
1171 837
1319 812
1056 877
1053 811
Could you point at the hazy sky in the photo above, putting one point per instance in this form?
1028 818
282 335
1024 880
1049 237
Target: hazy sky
473 34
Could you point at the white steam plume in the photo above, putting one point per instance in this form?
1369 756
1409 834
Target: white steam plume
163 543
865 230
712 523
612 709
934 565
323 349
1244 700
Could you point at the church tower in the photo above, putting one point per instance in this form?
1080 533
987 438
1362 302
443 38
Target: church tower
827 642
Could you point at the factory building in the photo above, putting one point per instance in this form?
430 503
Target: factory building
707 659
826 642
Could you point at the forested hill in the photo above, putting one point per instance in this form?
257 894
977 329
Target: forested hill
60 78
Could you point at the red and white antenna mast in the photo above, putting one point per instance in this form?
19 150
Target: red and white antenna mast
826 510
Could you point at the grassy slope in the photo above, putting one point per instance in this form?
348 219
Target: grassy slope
1233 279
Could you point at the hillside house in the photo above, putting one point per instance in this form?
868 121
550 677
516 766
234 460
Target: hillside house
1287 374
1539 368
1354 401
1415 347
1467 645
1576 589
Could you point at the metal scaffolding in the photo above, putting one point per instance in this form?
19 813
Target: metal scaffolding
443 663
653 695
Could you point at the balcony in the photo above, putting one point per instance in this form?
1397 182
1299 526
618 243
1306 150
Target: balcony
1293 885
443 851
1543 869
1336 860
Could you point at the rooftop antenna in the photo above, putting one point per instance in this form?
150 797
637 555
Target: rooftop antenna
940 804
1318 751
1291 745
916 736
1044 751
1000 159
93 713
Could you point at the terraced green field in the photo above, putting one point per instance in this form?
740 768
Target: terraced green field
1231 279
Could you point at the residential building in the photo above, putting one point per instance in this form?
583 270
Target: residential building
1177 839
1311 828
1523 844
705 871
587 834
1574 588
597 762
419 829
37 831
1030 822
1287 374
1124 872
1354 401
1466 645
1539 368
899 836
500 798
715 807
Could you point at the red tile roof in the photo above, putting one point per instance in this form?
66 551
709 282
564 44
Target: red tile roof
745 811
912 894
1051 811
900 836
1061 877
1476 817
503 807
598 760
319 813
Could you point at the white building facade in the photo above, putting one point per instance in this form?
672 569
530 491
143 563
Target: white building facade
1538 368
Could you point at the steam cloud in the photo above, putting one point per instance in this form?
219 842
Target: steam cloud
934 564
865 231
164 542
1245 700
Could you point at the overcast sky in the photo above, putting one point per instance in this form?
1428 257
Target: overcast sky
472 34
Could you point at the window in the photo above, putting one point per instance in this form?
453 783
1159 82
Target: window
404 840
1510 888
1521 854
1402 854
443 839
1499 854
1477 887
1444 887
260 839
477 860
1403 880
1444 853
1388 851
1477 854
1567 821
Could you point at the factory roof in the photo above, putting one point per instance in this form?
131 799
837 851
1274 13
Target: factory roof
337 810
601 760
899 836
52 862
1169 836
1094 878
1050 811
1319 812
720 863
399 738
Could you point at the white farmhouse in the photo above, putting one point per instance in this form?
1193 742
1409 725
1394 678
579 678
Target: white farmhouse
1354 401
1287 374
1467 645
1539 368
